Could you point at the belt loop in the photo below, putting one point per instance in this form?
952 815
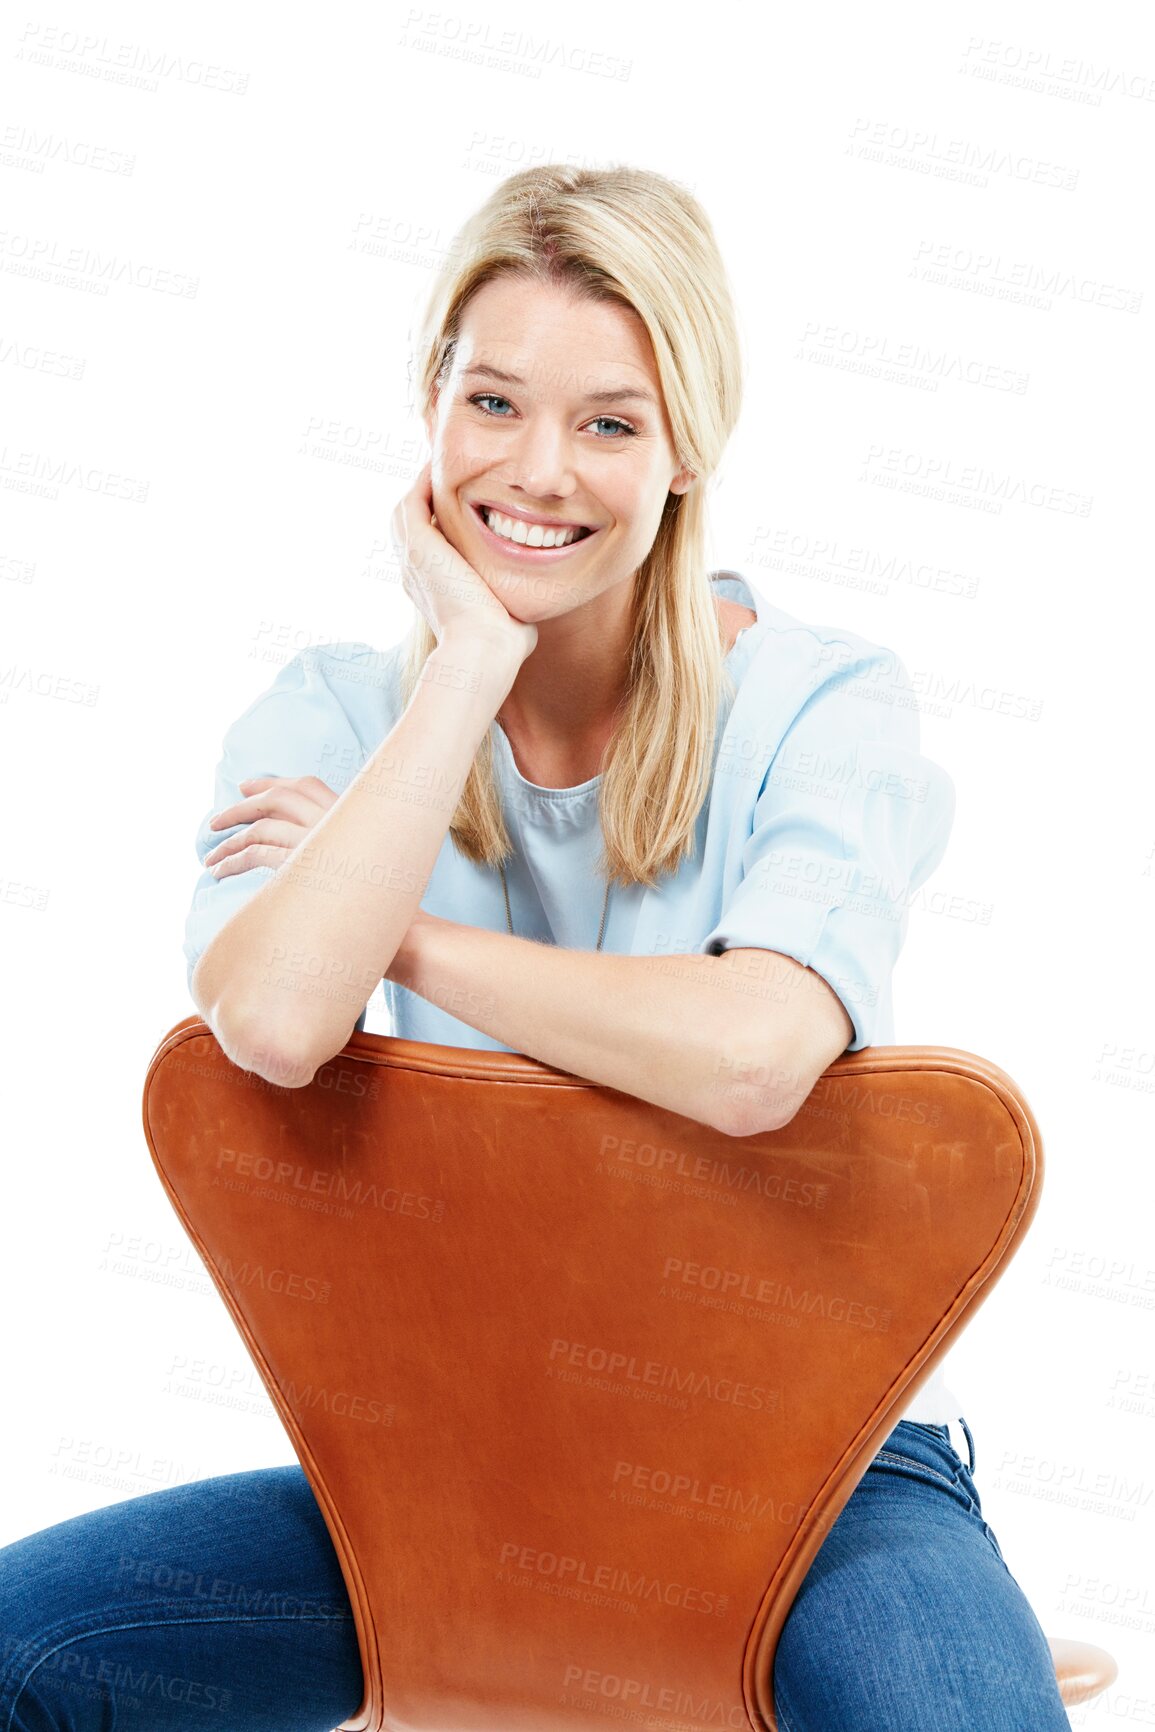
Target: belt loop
970 1442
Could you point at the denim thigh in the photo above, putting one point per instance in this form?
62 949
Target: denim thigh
220 1601
909 1619
226 1595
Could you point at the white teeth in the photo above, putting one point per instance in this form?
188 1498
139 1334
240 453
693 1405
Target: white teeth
527 534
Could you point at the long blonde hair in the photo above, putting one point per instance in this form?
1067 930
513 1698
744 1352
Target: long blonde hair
628 236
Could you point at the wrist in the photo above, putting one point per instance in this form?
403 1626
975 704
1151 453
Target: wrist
480 657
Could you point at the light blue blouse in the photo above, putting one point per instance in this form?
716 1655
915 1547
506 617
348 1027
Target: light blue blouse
822 819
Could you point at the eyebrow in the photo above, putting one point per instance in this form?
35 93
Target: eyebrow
618 394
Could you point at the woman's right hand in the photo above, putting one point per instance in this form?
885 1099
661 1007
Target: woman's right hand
443 586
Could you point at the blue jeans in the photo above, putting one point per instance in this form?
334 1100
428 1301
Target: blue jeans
221 1604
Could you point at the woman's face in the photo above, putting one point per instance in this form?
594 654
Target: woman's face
545 441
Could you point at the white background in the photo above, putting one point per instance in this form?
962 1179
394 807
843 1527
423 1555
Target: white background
920 208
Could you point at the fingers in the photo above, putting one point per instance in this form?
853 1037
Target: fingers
266 830
299 798
414 507
278 814
319 791
252 854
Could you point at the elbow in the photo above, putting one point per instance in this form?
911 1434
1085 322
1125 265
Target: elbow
246 1036
757 1116
760 1097
281 1057
741 1113
252 1047
248 1043
278 1057
279 1065
282 1070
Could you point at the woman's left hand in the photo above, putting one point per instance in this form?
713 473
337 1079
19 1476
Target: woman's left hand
279 812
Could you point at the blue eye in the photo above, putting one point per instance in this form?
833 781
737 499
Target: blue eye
480 397
489 396
618 422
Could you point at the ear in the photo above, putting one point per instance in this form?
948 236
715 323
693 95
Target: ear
682 481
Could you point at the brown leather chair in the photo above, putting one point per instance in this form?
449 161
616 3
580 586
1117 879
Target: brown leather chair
579 1384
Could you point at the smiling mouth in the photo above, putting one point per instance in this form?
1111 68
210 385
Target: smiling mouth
534 535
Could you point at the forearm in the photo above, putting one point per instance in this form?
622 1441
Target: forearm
655 1027
284 981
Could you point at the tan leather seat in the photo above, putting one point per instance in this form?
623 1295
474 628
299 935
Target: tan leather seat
580 1384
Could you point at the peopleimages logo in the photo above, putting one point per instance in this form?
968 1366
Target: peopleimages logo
285 1282
762 1290
715 1170
320 1181
302 1397
614 1579
657 1374
664 1698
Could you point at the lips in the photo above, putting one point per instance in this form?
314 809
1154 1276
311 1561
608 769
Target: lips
518 516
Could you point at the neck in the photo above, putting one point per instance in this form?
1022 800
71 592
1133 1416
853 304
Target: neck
567 692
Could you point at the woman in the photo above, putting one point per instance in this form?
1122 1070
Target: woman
577 701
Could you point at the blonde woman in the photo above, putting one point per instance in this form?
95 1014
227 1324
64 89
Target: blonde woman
589 755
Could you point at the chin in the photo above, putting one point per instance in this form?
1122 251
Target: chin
527 609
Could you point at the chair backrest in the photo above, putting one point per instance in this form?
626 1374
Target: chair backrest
580 1385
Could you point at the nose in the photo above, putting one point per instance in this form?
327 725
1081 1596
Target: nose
540 461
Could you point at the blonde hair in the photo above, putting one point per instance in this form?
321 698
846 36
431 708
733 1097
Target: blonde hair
628 236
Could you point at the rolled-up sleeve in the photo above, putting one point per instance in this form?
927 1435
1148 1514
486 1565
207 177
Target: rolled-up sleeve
849 821
296 727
